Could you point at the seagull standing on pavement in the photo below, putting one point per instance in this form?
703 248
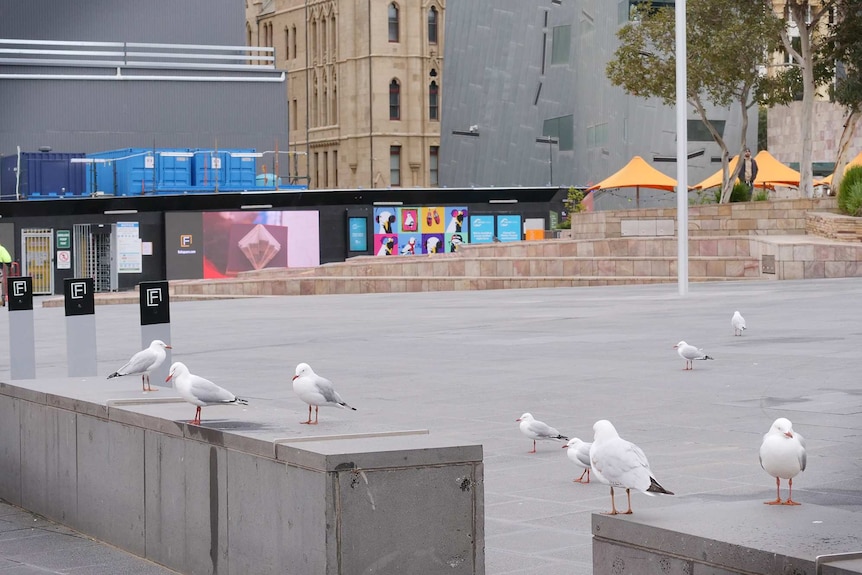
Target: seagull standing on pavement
690 353
315 391
620 463
535 429
579 453
782 455
738 323
144 362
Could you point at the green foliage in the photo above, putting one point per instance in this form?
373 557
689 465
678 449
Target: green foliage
852 179
762 135
574 198
844 45
761 195
853 199
740 193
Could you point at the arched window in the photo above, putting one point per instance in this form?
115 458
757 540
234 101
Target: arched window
393 23
433 102
394 100
432 25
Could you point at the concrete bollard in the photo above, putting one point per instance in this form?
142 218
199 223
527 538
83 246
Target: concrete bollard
22 341
156 322
80 326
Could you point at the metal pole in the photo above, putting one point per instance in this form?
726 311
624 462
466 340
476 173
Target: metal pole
551 160
681 151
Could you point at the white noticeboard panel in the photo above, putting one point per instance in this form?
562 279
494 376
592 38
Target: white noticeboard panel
129 258
64 260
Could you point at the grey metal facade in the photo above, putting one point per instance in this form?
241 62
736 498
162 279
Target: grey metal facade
75 115
500 78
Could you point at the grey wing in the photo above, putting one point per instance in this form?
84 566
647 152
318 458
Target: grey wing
324 386
208 392
140 362
803 456
583 454
542 429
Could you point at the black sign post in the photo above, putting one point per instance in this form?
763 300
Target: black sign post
22 340
156 321
80 326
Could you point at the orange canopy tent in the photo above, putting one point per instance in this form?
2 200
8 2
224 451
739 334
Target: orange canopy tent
857 161
769 173
636 174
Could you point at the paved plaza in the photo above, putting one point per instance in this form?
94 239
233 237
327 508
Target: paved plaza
465 365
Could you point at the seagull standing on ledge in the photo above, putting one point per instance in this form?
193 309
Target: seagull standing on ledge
620 463
535 429
199 391
144 362
689 353
782 455
738 323
315 391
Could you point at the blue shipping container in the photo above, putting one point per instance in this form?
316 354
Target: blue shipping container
42 175
137 171
229 169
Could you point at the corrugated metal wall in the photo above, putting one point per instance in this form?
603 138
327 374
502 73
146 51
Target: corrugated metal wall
89 116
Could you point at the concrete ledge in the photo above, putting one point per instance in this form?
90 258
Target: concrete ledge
228 496
739 537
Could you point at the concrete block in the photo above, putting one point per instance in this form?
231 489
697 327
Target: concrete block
110 459
629 228
10 448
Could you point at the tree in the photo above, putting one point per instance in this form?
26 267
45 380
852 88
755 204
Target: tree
806 18
844 46
727 43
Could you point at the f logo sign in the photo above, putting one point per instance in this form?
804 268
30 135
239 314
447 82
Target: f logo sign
19 288
154 297
185 240
79 290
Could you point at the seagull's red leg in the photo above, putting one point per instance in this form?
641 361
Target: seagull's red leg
143 383
309 415
534 447
789 500
629 496
197 419
588 476
613 505
777 493
580 479
149 387
316 409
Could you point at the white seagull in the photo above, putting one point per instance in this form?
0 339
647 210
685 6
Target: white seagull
315 391
620 463
689 353
144 362
738 323
535 429
579 452
199 391
782 455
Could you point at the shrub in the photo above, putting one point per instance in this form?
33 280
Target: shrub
761 195
739 193
852 177
853 199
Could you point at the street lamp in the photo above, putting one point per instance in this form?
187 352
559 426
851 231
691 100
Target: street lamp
550 141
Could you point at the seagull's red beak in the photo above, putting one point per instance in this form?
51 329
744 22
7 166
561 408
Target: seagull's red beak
295 376
168 347
789 434
519 419
170 375
565 446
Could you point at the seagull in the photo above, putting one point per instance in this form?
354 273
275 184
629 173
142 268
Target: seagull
199 391
782 455
689 353
738 323
144 362
535 429
579 453
315 391
620 463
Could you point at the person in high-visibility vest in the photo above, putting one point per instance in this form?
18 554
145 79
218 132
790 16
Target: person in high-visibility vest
5 260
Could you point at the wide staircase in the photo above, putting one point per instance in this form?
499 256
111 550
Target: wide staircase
549 263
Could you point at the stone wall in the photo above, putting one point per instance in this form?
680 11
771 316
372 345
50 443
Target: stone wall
834 226
778 217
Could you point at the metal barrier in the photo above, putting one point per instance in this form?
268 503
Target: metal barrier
820 560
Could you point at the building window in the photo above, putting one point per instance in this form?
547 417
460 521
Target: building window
294 115
393 22
432 25
562 42
433 102
434 166
286 44
394 100
562 128
335 168
293 38
394 166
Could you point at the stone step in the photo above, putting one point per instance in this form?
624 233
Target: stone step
399 284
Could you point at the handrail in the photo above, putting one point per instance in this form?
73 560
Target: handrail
821 559
137 55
